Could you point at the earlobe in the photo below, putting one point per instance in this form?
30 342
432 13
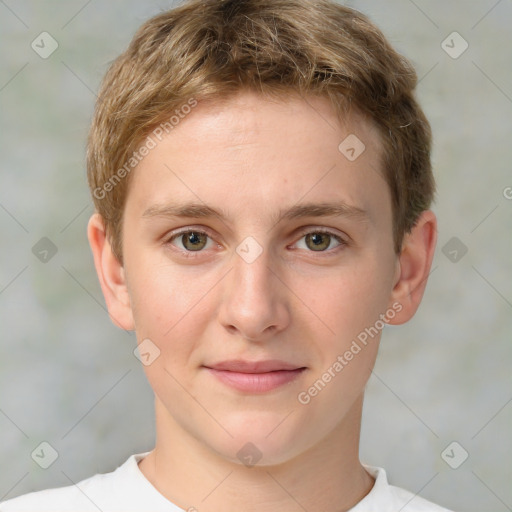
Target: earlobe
414 265
111 275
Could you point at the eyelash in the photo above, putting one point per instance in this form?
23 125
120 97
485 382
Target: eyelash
194 254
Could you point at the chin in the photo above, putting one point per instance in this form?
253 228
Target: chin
260 438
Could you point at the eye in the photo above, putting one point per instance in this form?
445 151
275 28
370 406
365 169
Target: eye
194 241
320 239
191 240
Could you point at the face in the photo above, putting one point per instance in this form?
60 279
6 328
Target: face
269 278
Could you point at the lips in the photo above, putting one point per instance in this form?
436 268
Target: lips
255 376
241 366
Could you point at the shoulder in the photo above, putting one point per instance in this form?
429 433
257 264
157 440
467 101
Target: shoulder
81 496
387 498
91 494
413 503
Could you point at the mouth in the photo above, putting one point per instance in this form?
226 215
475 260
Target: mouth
255 376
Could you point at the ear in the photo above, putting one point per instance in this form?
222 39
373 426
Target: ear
413 267
110 274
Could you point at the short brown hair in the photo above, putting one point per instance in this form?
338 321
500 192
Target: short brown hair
207 49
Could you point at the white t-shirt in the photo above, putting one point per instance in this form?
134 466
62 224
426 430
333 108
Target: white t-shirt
127 490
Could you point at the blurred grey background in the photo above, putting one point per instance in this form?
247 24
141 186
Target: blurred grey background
69 377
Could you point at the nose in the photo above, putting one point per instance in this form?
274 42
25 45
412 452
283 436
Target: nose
255 299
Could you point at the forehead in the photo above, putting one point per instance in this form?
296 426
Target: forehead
254 151
249 116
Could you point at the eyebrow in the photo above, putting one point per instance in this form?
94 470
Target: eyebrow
198 210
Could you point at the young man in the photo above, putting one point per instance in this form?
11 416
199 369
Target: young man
261 176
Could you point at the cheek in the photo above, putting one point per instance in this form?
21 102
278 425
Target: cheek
167 315
165 298
351 299
351 307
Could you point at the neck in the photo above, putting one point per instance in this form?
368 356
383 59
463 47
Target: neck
327 476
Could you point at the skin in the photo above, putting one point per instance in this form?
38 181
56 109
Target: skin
251 157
